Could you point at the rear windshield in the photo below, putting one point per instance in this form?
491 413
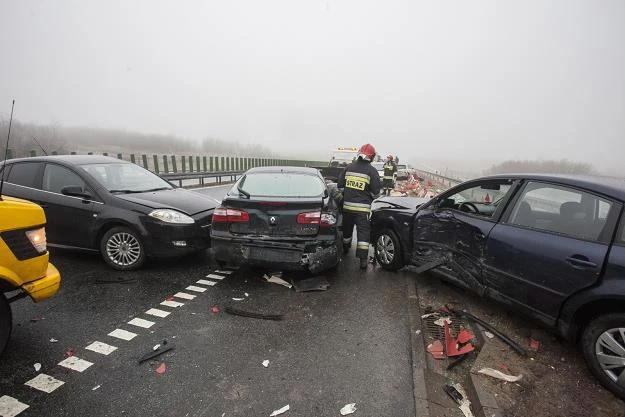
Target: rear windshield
280 184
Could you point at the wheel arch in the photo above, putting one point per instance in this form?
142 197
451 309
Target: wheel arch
586 313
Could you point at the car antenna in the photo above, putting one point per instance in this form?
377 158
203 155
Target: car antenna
43 150
6 150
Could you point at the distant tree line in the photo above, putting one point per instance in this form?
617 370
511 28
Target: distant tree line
24 138
544 167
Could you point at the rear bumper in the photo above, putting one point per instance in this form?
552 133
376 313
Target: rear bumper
46 287
311 255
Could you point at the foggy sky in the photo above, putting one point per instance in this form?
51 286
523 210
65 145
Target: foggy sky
446 83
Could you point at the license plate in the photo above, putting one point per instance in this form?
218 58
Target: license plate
274 255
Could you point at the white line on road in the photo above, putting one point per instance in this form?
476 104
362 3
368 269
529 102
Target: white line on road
213 276
168 303
146 324
224 272
196 289
158 313
10 407
207 282
122 334
101 348
184 296
75 364
44 383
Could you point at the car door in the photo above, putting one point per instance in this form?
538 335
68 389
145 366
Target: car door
453 231
71 219
552 242
23 180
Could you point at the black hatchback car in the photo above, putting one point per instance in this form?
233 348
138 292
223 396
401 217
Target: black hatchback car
552 247
113 206
278 217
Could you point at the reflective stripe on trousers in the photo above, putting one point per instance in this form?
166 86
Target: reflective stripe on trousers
363 231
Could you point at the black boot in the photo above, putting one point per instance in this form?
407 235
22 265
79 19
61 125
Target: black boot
363 263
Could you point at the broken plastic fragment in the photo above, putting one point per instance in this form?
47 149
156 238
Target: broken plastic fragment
70 352
500 375
265 363
247 295
534 345
237 299
215 309
436 349
348 409
53 340
464 336
489 334
37 367
161 368
156 347
425 316
169 298
442 320
276 280
96 387
280 411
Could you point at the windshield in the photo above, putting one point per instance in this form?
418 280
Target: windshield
125 178
379 166
279 184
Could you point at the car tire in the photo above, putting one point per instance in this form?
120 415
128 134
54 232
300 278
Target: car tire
610 328
388 250
6 321
122 248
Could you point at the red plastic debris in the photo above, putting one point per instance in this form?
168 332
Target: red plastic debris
534 345
215 309
464 336
445 309
504 368
70 352
436 349
170 298
161 369
34 319
451 344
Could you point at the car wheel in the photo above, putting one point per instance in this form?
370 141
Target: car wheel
603 344
388 250
5 322
122 249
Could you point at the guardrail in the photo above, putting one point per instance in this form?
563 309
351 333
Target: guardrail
447 181
202 176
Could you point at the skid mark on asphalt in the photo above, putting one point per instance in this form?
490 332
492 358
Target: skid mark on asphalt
11 407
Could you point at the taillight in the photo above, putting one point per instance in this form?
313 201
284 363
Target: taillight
309 217
227 215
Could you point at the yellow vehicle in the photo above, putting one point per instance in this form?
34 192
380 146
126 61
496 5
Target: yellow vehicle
24 266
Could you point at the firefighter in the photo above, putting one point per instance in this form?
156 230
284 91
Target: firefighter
361 184
390 171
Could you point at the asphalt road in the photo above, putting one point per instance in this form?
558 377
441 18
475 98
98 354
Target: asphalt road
349 344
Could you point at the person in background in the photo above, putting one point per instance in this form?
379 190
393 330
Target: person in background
390 172
360 183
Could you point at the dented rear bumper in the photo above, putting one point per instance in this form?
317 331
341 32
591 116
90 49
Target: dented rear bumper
302 254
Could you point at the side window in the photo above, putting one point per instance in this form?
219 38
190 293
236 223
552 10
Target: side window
482 199
562 210
24 173
55 177
621 235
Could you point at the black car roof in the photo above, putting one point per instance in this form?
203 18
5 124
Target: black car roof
609 186
288 169
71 159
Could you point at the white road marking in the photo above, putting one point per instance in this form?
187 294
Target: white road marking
196 289
158 313
146 324
10 407
75 364
101 348
44 383
184 296
206 282
214 276
122 334
168 303
224 272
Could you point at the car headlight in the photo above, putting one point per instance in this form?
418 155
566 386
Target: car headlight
171 216
38 239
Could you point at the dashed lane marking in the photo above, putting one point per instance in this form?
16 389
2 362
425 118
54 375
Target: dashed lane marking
169 303
184 296
196 289
224 272
101 348
75 364
122 334
44 383
158 313
10 407
213 276
206 282
146 324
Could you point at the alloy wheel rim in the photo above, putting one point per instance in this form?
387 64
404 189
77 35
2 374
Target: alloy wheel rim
610 353
385 249
123 249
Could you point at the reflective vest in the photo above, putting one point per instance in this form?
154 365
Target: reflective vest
361 183
389 170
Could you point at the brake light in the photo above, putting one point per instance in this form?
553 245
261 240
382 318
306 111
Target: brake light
309 217
227 215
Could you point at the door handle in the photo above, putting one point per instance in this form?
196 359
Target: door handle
577 260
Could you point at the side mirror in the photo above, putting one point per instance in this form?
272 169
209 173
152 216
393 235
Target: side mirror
76 191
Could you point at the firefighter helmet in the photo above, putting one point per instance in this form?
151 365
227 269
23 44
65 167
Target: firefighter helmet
367 152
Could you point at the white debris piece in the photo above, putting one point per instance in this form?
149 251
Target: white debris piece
280 411
247 295
500 375
442 320
53 340
237 299
277 280
224 272
96 387
156 347
418 332
465 404
348 409
266 363
37 367
425 316
489 334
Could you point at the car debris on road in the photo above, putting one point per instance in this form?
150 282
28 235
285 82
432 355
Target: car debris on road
348 409
280 411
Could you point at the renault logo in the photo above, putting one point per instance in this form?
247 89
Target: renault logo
272 220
